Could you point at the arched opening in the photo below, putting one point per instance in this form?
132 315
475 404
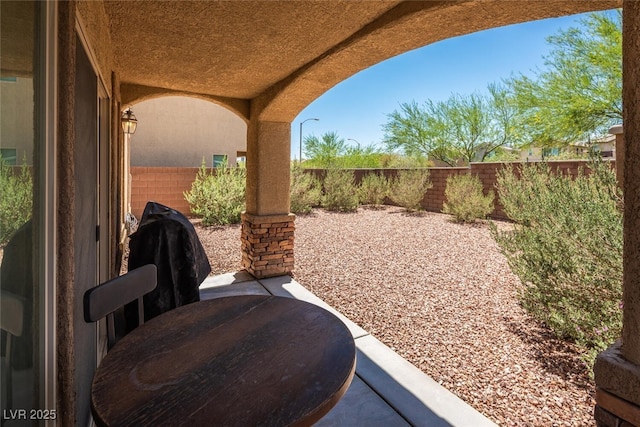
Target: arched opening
174 137
341 277
357 107
407 26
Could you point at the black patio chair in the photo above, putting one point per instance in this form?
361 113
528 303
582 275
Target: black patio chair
105 299
11 322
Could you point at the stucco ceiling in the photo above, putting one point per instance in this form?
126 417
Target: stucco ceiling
233 49
283 54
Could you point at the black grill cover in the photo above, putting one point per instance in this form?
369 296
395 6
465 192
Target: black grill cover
166 238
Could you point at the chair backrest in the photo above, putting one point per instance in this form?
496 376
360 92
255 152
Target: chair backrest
106 298
11 313
12 322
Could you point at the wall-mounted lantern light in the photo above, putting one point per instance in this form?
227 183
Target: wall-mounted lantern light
129 122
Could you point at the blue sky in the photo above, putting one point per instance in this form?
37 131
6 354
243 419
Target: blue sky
357 107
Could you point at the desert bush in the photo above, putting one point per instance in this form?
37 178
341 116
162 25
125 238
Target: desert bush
397 161
340 191
359 160
16 199
465 199
408 188
218 196
306 191
566 247
373 189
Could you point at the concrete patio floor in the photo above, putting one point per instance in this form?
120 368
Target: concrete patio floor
386 391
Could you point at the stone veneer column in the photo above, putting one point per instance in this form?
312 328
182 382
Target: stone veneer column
617 370
267 244
267 225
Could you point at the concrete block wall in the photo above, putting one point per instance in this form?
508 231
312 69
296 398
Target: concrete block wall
487 172
434 198
164 185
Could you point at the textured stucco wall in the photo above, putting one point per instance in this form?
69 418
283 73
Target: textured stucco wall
631 115
180 131
268 167
73 359
65 349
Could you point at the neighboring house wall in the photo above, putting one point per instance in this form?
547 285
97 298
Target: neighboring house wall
177 131
16 120
531 154
605 145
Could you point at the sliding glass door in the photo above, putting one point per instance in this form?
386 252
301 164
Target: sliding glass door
27 211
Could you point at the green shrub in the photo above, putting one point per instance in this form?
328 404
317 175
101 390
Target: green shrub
16 199
566 247
397 161
359 159
219 196
408 188
373 189
340 191
465 199
305 190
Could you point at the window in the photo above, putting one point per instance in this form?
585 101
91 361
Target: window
219 160
29 254
9 156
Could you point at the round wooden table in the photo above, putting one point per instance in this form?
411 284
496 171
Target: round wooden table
243 360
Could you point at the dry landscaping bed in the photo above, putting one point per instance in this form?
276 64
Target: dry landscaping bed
442 296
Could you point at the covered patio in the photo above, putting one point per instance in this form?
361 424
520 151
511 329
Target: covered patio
386 390
86 62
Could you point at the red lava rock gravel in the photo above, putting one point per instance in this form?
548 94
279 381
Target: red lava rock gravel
442 296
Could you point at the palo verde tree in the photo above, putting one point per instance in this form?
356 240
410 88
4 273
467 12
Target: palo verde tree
578 94
463 127
323 152
331 151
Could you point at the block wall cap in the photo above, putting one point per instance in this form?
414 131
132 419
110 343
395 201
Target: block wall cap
267 219
616 130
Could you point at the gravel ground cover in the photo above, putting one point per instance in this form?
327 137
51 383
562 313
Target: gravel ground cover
442 296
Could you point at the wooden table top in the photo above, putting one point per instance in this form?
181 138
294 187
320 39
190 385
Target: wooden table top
243 360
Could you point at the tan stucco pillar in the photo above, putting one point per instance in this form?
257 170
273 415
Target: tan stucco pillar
267 225
268 153
617 370
631 100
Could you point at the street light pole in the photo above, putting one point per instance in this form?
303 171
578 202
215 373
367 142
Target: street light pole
354 140
301 123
